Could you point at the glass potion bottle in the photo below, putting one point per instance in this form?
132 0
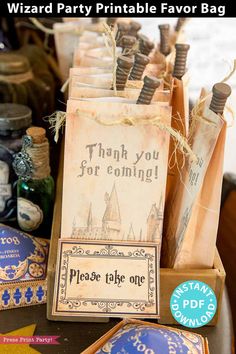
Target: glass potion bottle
35 188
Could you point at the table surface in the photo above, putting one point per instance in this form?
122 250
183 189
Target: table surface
75 337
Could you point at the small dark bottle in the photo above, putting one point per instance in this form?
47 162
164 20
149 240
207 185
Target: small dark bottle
35 189
149 88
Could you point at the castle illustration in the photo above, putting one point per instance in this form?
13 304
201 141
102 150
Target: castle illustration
111 228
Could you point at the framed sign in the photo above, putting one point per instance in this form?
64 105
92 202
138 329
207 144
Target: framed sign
107 279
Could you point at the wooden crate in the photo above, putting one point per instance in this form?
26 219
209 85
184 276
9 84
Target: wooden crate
169 278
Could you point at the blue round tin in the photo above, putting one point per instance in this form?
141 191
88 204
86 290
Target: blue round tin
22 257
136 339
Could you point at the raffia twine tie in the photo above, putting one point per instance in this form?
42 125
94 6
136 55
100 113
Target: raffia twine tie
17 78
110 42
39 153
58 119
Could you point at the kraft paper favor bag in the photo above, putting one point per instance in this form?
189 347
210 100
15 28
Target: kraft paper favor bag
180 122
103 80
99 57
86 22
90 47
192 218
84 84
99 85
80 52
77 73
204 226
87 91
66 38
114 172
102 52
105 62
90 70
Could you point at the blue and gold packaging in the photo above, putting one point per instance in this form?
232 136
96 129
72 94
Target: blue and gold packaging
135 337
23 268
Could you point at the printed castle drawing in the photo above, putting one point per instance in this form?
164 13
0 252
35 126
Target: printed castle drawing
111 223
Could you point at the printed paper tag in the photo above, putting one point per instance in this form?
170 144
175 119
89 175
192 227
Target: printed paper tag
100 279
29 215
114 176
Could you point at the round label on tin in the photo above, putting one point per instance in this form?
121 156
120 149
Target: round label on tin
147 339
29 215
22 257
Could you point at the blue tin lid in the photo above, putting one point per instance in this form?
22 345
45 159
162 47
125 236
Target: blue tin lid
22 257
136 339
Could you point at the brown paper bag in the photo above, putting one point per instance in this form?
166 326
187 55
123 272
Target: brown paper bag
78 89
103 80
66 38
87 91
98 57
114 173
87 70
81 50
91 48
86 23
85 84
199 252
105 62
180 122
192 218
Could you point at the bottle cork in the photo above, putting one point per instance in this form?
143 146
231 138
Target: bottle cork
149 87
134 28
122 30
180 23
124 64
140 63
180 60
221 92
145 45
164 39
37 134
95 20
111 21
127 43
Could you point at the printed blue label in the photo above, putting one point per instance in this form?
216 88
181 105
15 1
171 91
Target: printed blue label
135 339
193 304
22 257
